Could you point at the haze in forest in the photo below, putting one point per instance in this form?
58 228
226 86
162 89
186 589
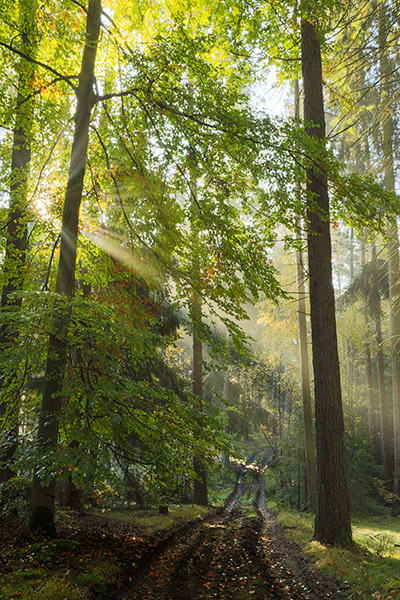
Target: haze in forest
200 260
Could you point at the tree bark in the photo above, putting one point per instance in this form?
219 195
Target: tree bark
305 386
225 419
394 288
392 243
386 429
332 520
43 492
304 362
17 232
371 399
200 492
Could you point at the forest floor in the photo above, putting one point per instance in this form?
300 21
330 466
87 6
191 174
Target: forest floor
228 554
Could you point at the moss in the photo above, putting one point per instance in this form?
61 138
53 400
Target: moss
50 550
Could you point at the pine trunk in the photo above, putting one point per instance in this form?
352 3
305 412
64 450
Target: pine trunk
371 398
304 362
394 287
392 241
332 520
385 420
43 493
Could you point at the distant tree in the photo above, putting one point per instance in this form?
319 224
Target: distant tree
303 344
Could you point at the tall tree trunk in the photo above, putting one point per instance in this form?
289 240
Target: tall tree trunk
372 409
200 493
304 362
394 288
385 420
274 421
371 398
225 418
43 492
17 233
351 254
392 242
332 520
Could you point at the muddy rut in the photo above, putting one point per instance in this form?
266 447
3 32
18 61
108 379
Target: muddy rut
229 556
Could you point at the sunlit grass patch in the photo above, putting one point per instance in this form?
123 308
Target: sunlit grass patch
43 587
152 520
380 535
372 568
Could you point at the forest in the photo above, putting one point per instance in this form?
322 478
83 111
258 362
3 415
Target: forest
200 297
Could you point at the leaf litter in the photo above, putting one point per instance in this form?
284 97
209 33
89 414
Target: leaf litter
227 555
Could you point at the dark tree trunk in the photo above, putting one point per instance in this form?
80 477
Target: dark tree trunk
392 244
17 232
332 520
225 421
200 492
73 496
43 495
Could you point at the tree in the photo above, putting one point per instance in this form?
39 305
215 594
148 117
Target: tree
200 491
200 495
43 492
17 231
332 521
372 403
371 284
392 240
304 362
376 283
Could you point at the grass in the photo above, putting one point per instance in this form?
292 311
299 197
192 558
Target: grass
56 588
372 568
66 576
63 569
151 520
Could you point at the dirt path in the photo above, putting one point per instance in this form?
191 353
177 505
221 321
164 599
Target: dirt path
229 556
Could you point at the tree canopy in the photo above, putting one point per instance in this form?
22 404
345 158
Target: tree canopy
143 199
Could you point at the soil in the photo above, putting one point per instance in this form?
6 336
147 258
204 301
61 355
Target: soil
227 555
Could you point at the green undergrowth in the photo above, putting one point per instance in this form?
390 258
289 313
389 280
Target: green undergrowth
81 569
151 520
56 569
372 568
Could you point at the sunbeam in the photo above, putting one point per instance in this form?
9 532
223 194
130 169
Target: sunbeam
115 246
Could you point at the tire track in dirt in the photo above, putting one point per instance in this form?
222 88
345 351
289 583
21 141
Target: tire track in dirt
228 556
